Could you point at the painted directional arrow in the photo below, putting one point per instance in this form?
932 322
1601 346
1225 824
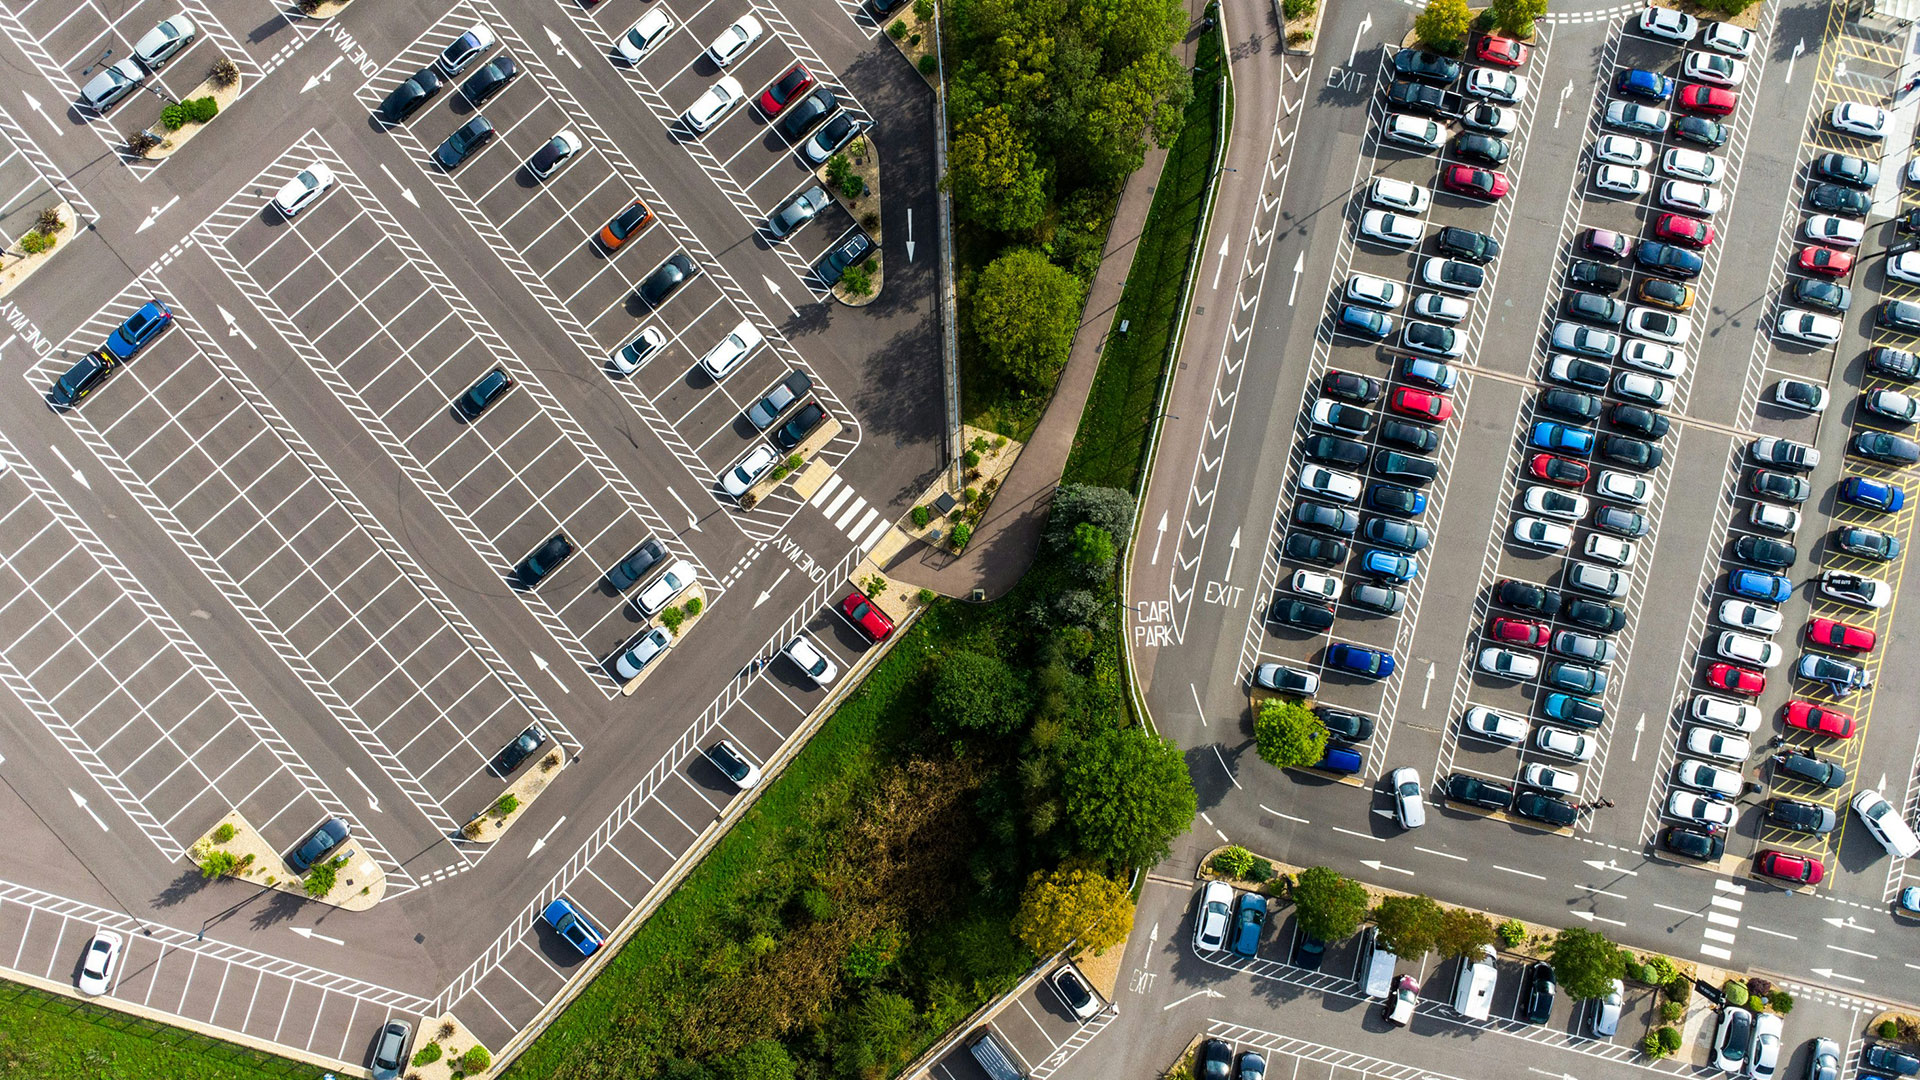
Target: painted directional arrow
1428 689
769 589
233 327
373 801
78 476
1610 865
1299 264
80 801
1847 924
1366 24
312 935
541 663
326 75
542 842
1376 864
1591 917
35 106
693 521
1206 991
558 47
1162 530
1222 265
155 216
1233 548
404 192
1638 729
909 234
1798 48
1829 973
1565 93
775 290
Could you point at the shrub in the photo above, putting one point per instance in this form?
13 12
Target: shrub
49 221
929 65
975 692
1516 17
1889 1029
427 1055
693 606
1669 1039
1299 37
1650 1046
476 1059
213 864
141 142
1659 970
1298 9
1736 992
913 40
320 879
308 7
1672 1011
920 517
858 280
852 186
1512 932
35 243
1679 989
923 9
224 833
223 73
506 804
672 618
1261 870
927 596
1233 861
898 30
173 116
1759 987
961 533
870 219
969 495
552 762
971 459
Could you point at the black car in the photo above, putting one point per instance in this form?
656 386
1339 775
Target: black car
1216 1060
1399 466
1866 543
1571 404
83 378
330 835
1546 809
1302 615
1884 447
790 435
1526 596
1398 535
1486 149
1895 363
1395 499
1701 131
833 265
465 139
666 279
1384 599
1846 169
1540 988
1620 521
1334 450
1595 615
1639 420
1898 315
1780 486
1486 794
1834 199
1810 769
1425 66
543 560
1416 437
1467 244
520 749
489 80
627 573
1344 725
1633 453
1889 1059
481 395
1670 260
1422 99
1313 548
1593 308
800 116
1596 276
1764 551
1337 520
407 98
1692 843
1347 386
1801 816
1308 953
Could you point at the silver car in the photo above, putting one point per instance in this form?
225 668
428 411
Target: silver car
164 42
797 211
390 1052
112 84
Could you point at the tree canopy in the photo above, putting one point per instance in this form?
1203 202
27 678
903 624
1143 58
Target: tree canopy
1408 926
1327 906
1024 314
1073 902
1463 933
1287 734
1127 795
1585 962
976 692
1443 26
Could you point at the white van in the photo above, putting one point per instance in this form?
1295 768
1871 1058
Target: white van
1375 970
1473 986
993 1058
1883 821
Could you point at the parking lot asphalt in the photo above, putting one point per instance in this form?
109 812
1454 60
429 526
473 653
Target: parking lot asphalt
270 565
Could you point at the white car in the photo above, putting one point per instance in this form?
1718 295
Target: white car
1321 414
734 40
1691 197
103 956
665 589
651 646
1442 273
1566 744
1502 86
114 82
1648 356
1399 195
1549 778
1392 228
1609 549
1801 396
1763 1060
1716 68
1450 309
1330 484
1375 292
629 358
1211 914
1688 806
1586 341
1598 580
1905 267
1780 519
1711 779
1718 744
1855 118
1315 584
1643 388
1659 325
303 190
642 36
1856 589
1668 25
1407 807
812 663
1750 616
1727 38
1622 180
1566 505
1508 664
708 109
1541 533
1747 649
1732 1040
1732 715
1837 231
736 346
1623 150
1415 131
1624 486
1497 726
1633 116
1808 326
1693 165
748 470
1606 1015
1433 339
161 43
1892 405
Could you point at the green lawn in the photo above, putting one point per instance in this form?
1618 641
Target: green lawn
48 1037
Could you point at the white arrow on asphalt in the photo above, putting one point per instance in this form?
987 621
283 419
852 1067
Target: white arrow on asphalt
326 75
776 584
1153 940
1206 991
80 801
775 290
233 327
1798 48
78 476
1610 865
1366 24
1847 924
315 936
541 663
1376 864
1882 786
1162 530
1222 265
1299 264
1638 729
558 47
909 234
1428 688
1233 548
1829 973
693 522
35 106
373 800
155 216
1565 93
404 192
1591 917
542 842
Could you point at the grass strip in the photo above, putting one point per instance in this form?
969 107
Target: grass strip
46 1036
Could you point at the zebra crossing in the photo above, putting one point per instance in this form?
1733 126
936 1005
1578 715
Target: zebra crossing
844 507
1722 919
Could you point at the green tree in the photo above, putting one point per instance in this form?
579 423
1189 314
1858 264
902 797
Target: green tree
875 1034
1287 734
1463 933
1443 26
1409 926
1585 963
1515 18
1093 549
1024 312
1327 906
1073 901
977 693
1126 795
761 1059
996 179
1075 504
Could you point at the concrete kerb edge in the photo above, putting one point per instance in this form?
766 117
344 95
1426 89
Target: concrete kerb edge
1220 144
677 872
943 217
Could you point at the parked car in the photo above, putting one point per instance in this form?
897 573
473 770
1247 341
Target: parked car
572 926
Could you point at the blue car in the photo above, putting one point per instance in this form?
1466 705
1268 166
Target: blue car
1428 373
1360 660
1574 711
1871 494
1366 322
1759 585
1385 564
1910 900
567 920
1641 83
331 834
1395 499
141 327
1340 759
1558 437
1248 920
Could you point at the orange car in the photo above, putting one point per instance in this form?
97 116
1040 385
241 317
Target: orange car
626 224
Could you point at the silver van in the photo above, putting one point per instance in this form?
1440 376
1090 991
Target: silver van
993 1057
1374 973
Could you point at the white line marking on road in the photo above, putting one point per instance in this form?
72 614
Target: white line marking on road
1776 933
1601 891
1718 919
1522 873
1289 817
1223 766
309 934
1442 854
1676 910
1716 952
1364 836
373 801
1852 952
1197 706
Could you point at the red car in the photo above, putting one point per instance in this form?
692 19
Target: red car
1839 635
1825 260
1503 51
1712 100
861 612
1682 229
1521 632
1737 679
1558 470
1797 869
1807 716
794 84
1479 183
1420 404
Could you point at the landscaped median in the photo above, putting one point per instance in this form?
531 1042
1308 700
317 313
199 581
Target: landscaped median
35 247
794 462
347 878
181 121
489 824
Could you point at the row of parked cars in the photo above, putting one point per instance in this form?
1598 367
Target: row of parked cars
151 52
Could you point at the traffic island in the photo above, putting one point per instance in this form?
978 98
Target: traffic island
443 1048
1300 22
349 879
221 87
794 463
490 824
986 459
679 620
853 176
36 246
913 31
